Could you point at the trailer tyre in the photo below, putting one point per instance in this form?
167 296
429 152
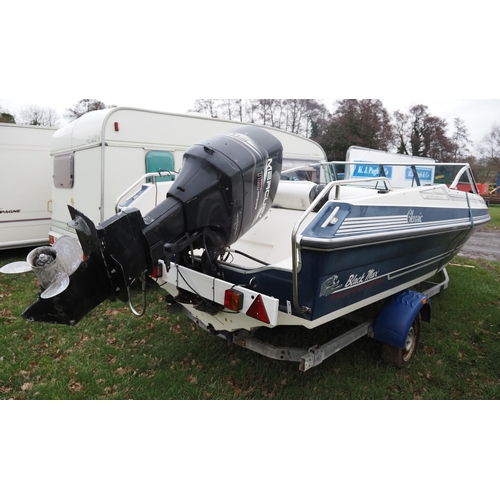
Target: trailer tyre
400 357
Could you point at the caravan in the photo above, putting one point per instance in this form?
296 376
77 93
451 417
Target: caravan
25 185
99 158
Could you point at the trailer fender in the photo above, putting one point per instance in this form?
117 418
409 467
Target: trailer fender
398 314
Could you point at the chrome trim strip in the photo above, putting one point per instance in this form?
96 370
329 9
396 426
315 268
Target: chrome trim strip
331 244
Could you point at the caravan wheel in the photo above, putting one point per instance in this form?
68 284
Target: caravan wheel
400 357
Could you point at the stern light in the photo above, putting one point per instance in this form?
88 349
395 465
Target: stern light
233 300
157 272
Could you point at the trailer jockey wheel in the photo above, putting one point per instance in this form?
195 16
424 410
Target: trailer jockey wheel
400 357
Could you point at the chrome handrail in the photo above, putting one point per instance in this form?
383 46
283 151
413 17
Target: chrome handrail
465 169
136 183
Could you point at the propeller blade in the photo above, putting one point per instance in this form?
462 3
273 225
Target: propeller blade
59 284
69 253
15 268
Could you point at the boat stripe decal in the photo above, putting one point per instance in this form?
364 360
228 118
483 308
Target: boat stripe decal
358 227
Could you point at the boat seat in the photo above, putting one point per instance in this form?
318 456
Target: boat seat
294 195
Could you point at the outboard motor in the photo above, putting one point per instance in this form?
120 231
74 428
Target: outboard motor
226 185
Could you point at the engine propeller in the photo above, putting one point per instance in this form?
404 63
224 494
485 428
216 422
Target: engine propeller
52 265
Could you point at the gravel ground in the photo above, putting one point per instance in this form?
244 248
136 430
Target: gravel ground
484 244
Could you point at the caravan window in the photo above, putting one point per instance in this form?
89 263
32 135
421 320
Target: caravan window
160 161
64 171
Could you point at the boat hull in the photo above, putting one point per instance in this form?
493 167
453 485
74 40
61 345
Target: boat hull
365 254
350 276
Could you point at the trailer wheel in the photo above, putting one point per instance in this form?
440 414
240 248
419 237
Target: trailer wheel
400 357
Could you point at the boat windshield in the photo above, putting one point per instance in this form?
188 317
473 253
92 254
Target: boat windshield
369 175
319 173
301 170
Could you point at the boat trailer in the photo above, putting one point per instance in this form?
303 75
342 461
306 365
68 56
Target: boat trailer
397 326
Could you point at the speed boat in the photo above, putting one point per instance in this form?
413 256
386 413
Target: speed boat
356 243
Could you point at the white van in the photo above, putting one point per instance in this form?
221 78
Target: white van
102 154
25 185
397 167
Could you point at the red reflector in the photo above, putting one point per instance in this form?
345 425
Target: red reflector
157 272
258 311
117 127
233 300
52 240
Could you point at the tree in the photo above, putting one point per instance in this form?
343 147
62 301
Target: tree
294 115
401 130
6 117
32 114
418 133
356 122
460 141
85 106
489 155
206 106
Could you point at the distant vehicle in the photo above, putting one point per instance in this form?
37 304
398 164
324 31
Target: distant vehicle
100 156
397 167
25 185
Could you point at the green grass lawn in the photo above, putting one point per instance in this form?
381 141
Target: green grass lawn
111 354
495 217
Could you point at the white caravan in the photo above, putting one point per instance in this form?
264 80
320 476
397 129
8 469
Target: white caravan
25 185
100 156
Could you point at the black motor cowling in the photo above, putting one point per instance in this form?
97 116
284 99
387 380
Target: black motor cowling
226 185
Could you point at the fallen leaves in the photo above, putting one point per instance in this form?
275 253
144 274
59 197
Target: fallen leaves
73 385
4 313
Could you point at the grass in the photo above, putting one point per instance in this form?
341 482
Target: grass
111 354
495 217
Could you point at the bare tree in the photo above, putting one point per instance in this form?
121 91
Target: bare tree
84 106
226 107
460 141
489 155
489 147
32 114
294 115
252 110
206 106
240 109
